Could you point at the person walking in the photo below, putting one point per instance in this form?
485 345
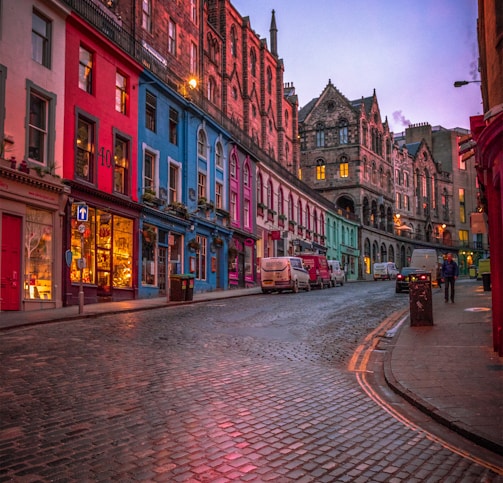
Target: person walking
450 272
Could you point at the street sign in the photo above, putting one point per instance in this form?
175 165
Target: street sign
82 212
68 257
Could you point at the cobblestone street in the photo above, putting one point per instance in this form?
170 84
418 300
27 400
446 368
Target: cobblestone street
173 395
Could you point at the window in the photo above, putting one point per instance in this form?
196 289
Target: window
246 175
173 126
343 131
121 166
291 215
270 193
463 238
193 11
234 206
38 249
201 144
120 93
219 155
260 189
269 80
172 37
201 257
193 58
253 63
462 206
320 135
149 167
246 213
85 70
233 167
41 39
174 183
150 111
37 128
146 20
84 152
344 167
212 90
281 203
234 42
201 185
219 195
148 255
320 169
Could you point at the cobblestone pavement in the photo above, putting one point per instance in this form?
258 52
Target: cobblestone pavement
193 395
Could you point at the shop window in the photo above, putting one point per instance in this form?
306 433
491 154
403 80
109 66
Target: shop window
38 255
122 252
201 258
120 93
83 247
148 255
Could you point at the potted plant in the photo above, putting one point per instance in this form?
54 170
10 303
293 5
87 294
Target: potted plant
218 242
194 245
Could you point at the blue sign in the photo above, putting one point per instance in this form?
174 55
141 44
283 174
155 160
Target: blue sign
82 211
68 257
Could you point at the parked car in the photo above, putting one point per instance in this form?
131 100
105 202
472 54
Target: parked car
283 273
404 277
385 271
317 266
337 274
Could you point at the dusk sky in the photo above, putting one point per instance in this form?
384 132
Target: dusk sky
410 51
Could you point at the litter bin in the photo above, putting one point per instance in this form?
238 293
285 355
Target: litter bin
420 300
486 281
189 292
177 287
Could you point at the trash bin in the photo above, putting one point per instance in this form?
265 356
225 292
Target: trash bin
189 292
472 271
177 288
486 281
420 299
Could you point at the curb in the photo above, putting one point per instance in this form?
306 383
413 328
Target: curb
437 415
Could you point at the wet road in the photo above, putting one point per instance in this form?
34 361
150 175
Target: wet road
250 389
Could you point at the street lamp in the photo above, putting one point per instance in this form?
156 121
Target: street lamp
463 83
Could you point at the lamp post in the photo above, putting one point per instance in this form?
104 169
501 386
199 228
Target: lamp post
464 83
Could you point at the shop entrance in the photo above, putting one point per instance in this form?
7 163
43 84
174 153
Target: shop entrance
10 282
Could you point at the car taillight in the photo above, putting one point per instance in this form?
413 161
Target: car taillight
399 277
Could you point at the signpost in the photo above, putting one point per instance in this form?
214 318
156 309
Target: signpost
82 217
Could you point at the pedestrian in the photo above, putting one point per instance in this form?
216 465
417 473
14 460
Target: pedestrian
450 273
439 276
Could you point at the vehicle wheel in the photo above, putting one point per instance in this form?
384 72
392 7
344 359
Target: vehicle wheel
265 291
342 283
295 288
308 287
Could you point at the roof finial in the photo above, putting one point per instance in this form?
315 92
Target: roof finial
274 35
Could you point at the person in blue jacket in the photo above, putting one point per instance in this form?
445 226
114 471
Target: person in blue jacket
450 272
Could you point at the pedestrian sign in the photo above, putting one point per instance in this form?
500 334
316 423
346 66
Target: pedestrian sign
82 212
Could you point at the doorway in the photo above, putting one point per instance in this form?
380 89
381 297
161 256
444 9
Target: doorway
10 281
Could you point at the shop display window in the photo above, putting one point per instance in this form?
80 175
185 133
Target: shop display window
38 254
148 255
107 243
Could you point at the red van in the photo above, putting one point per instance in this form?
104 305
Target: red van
319 272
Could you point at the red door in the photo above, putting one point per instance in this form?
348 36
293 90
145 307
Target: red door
10 282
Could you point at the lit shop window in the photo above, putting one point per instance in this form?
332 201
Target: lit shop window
38 254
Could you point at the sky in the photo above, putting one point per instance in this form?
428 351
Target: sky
409 51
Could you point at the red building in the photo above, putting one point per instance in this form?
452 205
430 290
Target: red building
487 132
100 164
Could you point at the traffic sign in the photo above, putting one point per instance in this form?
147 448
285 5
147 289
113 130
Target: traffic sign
82 212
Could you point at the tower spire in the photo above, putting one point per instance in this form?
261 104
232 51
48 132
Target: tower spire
273 30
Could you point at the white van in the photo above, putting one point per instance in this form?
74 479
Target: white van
426 259
337 274
283 273
385 271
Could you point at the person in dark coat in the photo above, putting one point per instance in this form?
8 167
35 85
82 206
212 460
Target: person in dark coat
450 272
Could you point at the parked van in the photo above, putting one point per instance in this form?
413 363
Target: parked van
317 266
427 260
283 273
385 271
337 274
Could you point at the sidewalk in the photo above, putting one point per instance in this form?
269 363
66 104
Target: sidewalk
448 370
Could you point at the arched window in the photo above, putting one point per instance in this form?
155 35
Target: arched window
260 189
270 196
269 80
343 131
246 175
234 42
253 62
201 144
300 217
219 155
320 169
287 120
212 90
308 217
281 202
233 166
291 214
